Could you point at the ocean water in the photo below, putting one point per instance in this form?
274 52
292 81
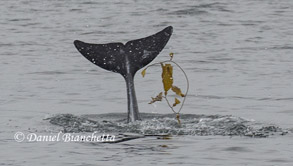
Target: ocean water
237 55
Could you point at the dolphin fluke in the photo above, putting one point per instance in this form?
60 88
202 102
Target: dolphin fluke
126 59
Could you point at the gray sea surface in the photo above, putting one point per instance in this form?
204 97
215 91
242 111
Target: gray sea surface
238 56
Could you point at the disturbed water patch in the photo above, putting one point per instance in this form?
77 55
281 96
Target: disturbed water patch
159 124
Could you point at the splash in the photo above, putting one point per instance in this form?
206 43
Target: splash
158 124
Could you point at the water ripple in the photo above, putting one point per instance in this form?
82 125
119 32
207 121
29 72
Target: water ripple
158 124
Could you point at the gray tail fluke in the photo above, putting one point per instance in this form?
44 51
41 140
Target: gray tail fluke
126 59
115 56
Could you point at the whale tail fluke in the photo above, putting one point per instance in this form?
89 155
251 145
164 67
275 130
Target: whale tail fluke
126 59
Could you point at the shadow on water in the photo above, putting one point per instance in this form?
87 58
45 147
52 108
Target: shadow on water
166 124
